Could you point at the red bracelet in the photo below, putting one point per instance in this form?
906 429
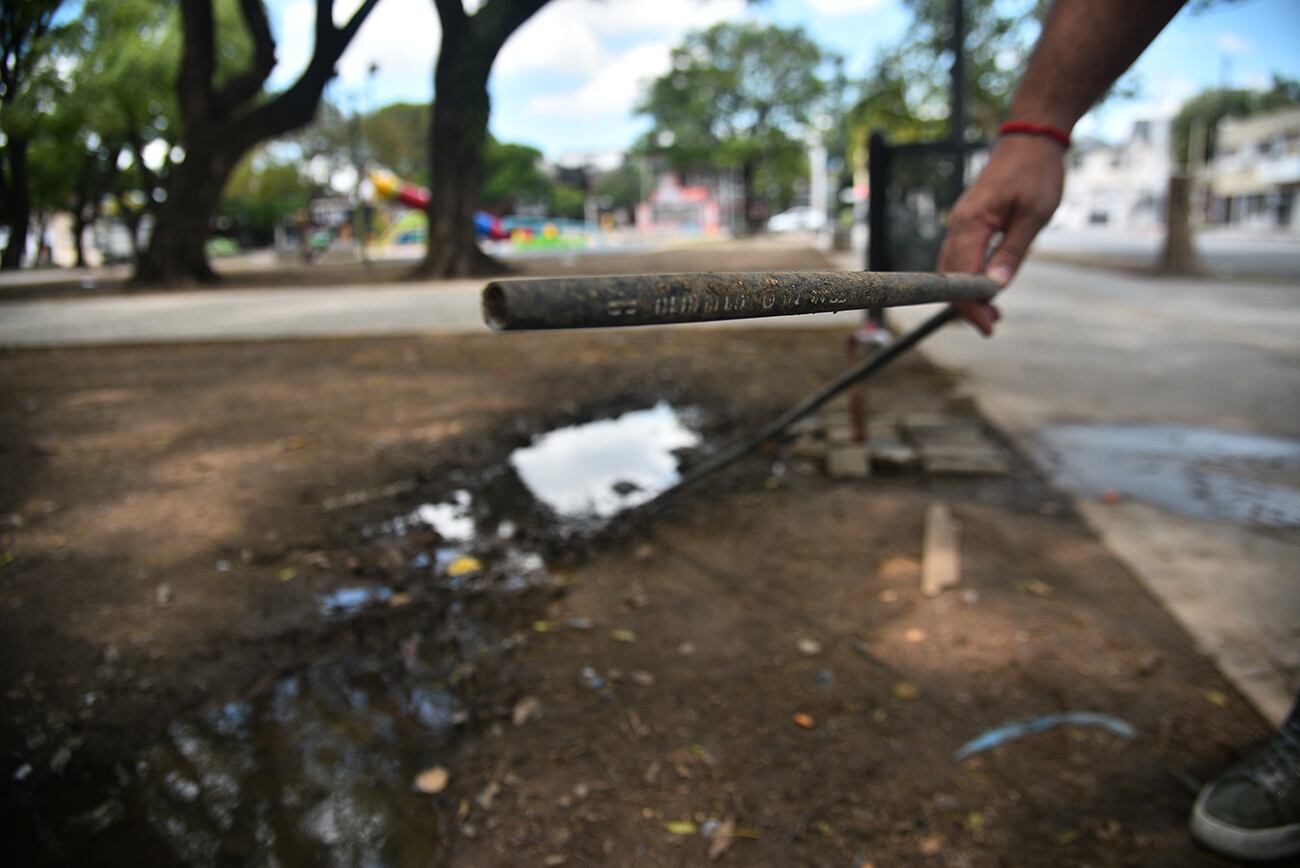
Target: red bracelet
1061 137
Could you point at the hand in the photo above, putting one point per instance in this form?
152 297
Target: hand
1015 195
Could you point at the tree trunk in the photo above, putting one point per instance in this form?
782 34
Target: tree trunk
1179 254
459 134
78 238
176 253
747 171
18 211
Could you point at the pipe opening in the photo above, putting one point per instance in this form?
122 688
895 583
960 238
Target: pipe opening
494 307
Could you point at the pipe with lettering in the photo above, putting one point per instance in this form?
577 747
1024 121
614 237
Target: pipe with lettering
658 299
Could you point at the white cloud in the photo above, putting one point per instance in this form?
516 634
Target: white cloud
1234 43
571 37
551 43
844 7
611 49
614 90
401 36
1160 100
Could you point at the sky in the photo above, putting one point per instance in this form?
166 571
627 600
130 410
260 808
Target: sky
569 80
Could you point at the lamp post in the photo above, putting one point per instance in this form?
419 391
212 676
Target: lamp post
360 217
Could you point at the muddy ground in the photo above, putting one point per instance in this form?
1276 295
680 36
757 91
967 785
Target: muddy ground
176 692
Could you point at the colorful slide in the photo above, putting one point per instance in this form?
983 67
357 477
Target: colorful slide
389 186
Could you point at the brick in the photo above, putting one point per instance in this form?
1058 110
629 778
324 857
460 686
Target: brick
848 462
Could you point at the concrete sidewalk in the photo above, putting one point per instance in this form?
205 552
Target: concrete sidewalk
260 314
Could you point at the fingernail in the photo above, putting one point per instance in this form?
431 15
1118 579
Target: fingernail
1000 274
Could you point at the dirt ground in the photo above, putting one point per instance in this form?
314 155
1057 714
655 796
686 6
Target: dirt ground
175 692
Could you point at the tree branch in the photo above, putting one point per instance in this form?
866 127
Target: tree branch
245 85
498 19
194 84
452 15
296 106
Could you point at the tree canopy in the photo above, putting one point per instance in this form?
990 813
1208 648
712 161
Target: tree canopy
743 96
1209 107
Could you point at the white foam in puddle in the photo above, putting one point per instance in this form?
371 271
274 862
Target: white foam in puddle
452 520
602 468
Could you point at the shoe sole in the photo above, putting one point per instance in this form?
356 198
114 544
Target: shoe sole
1256 845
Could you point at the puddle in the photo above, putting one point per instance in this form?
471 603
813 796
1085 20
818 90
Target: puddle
317 771
318 768
349 601
600 468
1198 472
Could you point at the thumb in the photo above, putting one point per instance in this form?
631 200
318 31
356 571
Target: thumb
1006 259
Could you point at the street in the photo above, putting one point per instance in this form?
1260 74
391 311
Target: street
1222 252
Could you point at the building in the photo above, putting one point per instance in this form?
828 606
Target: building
1256 171
1119 186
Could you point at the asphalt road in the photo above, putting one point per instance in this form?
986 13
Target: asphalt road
1223 252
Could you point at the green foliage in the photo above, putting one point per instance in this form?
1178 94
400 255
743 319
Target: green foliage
260 194
511 175
734 93
29 78
740 96
1209 107
397 138
567 202
624 187
908 92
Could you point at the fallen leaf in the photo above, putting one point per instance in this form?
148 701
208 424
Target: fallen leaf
906 690
432 781
804 720
899 569
464 566
543 627
298 441
722 839
1216 697
525 710
287 574
914 635
6 558
488 795
975 822
681 827
809 646
931 844
399 599
889 596
1038 588
622 635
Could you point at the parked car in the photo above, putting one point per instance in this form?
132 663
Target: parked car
799 219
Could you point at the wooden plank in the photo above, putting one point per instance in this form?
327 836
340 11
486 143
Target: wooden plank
941 559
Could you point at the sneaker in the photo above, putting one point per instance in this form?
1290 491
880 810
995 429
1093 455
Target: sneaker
1252 811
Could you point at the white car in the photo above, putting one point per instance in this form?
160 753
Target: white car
800 219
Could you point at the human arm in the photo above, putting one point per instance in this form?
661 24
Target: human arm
1084 47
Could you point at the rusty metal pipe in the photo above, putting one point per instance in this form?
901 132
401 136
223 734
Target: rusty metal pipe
658 299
